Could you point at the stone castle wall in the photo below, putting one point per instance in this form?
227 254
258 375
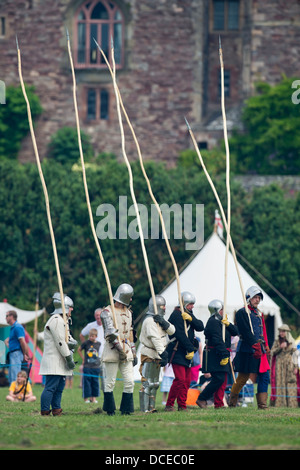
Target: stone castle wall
171 69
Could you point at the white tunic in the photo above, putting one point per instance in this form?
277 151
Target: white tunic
55 348
153 338
124 327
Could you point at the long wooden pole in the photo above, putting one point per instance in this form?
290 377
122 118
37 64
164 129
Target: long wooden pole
227 185
108 283
131 181
149 187
45 193
223 217
35 334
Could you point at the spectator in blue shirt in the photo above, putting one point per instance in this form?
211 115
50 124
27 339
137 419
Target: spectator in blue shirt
16 344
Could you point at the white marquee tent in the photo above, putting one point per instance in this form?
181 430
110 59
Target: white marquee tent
24 316
204 277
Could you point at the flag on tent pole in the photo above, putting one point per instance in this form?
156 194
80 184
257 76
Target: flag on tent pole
218 224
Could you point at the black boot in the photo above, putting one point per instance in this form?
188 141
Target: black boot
126 406
109 403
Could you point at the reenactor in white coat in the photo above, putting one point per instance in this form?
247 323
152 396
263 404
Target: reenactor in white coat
57 361
154 340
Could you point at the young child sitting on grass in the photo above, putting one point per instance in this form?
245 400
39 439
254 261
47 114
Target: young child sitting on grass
17 389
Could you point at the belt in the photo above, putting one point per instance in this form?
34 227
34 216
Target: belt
213 347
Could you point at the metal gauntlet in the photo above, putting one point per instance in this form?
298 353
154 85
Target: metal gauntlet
118 347
70 362
110 332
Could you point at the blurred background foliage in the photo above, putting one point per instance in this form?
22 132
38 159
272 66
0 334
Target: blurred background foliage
265 223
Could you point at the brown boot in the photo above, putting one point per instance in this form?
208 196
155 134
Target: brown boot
262 399
201 403
169 408
57 412
45 412
233 399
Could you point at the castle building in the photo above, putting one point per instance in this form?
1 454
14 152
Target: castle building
167 64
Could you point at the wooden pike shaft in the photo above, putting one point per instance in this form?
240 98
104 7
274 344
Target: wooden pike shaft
232 371
45 193
148 185
131 184
223 217
35 333
86 188
227 184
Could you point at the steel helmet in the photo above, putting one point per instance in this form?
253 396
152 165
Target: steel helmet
160 303
187 298
252 291
215 306
68 302
124 294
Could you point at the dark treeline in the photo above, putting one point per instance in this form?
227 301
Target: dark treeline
265 229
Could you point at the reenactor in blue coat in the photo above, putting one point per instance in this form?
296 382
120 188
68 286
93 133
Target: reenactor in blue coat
216 355
252 357
181 350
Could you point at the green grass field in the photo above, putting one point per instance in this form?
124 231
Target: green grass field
85 427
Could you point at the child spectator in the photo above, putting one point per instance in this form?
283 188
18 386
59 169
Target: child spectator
91 367
21 390
167 381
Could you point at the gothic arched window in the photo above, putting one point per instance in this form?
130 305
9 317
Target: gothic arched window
101 20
